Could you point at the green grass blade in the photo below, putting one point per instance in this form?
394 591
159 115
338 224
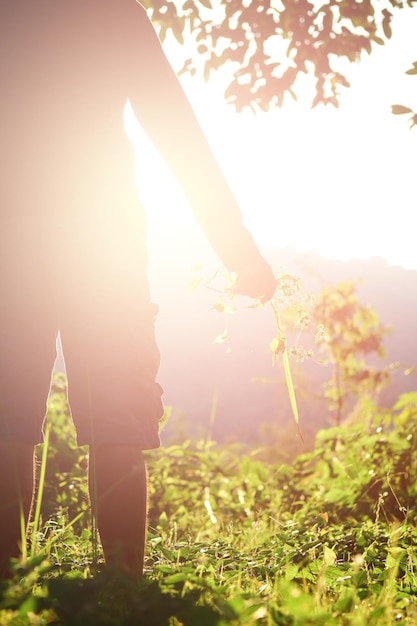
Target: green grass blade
291 392
22 521
288 377
39 496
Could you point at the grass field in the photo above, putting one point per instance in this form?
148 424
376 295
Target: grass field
329 539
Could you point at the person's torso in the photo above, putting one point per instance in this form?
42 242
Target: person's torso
64 82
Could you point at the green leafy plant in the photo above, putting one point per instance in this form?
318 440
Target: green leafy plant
350 331
62 511
327 539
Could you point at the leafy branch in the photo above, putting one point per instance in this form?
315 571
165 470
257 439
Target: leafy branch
399 109
267 46
342 331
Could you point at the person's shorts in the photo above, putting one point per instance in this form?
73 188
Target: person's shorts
85 279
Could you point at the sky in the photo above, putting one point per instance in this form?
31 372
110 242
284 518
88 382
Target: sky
339 182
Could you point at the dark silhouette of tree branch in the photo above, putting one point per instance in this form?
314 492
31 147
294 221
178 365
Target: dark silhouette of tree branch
399 109
269 43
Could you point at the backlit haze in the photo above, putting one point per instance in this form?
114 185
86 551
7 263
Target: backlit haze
339 182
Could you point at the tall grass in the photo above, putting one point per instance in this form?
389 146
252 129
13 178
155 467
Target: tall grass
326 540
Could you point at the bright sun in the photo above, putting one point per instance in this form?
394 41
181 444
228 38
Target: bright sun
329 180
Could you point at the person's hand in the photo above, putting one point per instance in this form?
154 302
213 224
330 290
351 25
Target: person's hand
256 280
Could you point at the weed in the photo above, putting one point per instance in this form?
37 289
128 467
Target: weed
326 540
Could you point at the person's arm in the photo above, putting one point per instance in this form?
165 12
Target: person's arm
167 117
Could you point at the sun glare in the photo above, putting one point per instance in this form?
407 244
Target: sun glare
174 239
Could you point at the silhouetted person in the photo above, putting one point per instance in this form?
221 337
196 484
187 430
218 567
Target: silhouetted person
72 245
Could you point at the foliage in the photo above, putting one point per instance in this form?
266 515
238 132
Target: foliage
399 109
362 470
326 540
268 44
350 331
290 308
65 493
63 456
334 328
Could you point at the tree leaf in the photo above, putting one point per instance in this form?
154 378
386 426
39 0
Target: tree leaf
386 25
240 32
413 70
399 109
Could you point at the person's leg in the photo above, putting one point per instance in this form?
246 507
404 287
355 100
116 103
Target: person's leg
111 358
118 492
27 352
16 491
